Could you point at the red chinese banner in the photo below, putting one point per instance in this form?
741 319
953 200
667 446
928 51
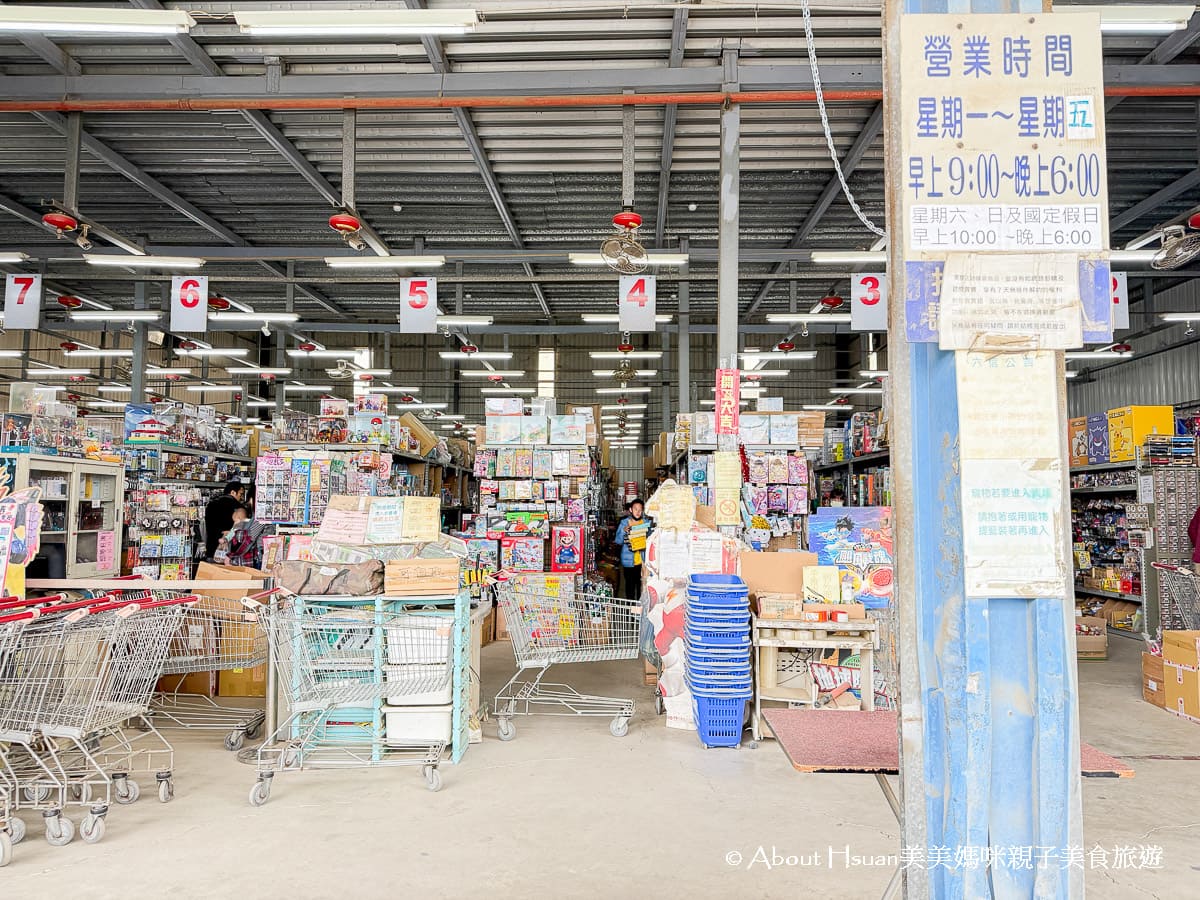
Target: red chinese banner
727 401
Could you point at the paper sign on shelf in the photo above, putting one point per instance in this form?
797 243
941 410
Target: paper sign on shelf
22 301
636 302
868 302
383 520
343 526
189 302
1120 299
421 519
418 305
106 550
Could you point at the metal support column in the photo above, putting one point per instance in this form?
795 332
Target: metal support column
289 300
727 223
684 352
137 366
349 144
988 720
71 164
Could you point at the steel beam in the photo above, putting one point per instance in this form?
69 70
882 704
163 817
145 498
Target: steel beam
22 212
74 138
728 202
683 400
1172 45
670 116
50 53
1155 200
829 193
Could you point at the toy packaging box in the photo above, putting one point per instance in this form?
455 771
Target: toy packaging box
534 430
704 428
784 430
522 554
1097 434
1077 440
370 403
754 428
797 469
503 406
332 406
568 430
502 430
16 432
777 467
758 467
859 541
566 553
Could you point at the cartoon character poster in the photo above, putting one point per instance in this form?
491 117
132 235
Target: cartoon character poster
567 553
859 541
1097 436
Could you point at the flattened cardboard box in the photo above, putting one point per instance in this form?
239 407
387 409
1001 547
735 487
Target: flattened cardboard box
404 577
1153 687
1182 690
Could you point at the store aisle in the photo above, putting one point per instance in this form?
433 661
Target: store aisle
566 810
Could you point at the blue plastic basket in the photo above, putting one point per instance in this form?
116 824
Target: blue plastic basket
736 617
719 720
717 670
717 589
726 687
704 635
708 652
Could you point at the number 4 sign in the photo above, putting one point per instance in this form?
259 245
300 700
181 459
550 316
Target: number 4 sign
636 302
189 302
22 301
868 301
418 305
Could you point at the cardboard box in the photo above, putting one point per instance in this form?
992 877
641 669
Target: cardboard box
1097 432
1128 427
251 682
417 577
1077 441
1092 646
779 573
425 438
1182 690
853 611
501 626
1153 686
489 628
1181 648
201 683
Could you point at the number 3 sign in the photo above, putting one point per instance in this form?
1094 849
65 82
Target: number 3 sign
418 305
868 301
635 302
189 303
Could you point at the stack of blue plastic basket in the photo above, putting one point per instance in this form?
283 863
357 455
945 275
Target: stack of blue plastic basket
718 656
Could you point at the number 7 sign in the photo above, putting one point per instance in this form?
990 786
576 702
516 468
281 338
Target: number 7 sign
635 302
22 301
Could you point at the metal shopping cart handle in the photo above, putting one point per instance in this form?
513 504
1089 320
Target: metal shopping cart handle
26 616
1171 567
8 603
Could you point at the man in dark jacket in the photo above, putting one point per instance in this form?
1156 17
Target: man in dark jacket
218 515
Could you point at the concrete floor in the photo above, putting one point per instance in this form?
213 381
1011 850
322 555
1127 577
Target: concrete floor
566 810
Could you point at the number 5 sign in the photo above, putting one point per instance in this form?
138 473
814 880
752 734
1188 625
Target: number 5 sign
189 303
22 301
418 305
868 301
635 303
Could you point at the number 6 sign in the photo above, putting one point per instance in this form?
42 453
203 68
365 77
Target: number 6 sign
418 305
636 301
868 301
22 301
189 303
1120 299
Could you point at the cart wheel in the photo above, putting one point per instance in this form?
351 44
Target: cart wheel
37 794
433 778
289 758
60 831
166 791
234 741
506 729
252 730
127 790
91 829
619 727
16 829
81 793
658 703
753 745
6 849
260 793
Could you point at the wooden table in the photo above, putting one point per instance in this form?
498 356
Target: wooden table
866 741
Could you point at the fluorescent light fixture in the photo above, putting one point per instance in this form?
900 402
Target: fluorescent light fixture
139 262
1072 373
379 262
809 318
374 373
84 352
106 404
849 258
640 373
11 354
406 406
780 356
114 389
487 373
453 417
832 407
463 321
625 390
10 258
308 388
503 390
115 315
214 351
348 353
262 404
1097 354
57 373
633 418
619 406
457 356
74 20
163 373
264 317
713 402
356 22
255 370
1133 257
1149 19
750 374
872 373
855 390
613 318
389 389
652 258
1180 317
212 388
632 354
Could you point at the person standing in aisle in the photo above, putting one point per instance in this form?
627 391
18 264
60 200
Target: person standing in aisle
632 546
218 515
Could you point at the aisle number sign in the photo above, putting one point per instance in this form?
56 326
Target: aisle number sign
22 301
1003 152
418 305
868 301
636 302
189 302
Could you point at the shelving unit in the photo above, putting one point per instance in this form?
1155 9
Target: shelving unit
852 474
82 505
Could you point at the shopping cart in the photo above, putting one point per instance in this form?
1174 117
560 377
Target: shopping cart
72 682
215 635
551 622
336 663
12 829
1178 597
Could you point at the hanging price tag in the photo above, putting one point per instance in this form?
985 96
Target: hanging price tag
189 303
